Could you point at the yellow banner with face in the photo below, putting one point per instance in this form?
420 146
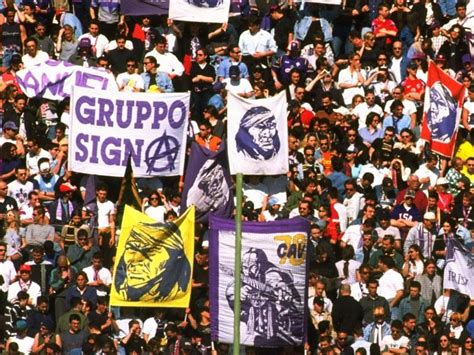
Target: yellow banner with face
154 261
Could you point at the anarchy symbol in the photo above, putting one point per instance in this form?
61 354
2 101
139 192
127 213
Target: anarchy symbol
164 148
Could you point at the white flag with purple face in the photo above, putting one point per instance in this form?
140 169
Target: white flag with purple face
257 135
215 11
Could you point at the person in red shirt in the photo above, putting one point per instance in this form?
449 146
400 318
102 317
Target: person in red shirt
413 88
383 28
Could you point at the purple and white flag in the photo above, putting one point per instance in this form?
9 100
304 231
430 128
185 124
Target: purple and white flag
207 183
459 268
216 11
273 274
54 79
107 128
144 7
257 135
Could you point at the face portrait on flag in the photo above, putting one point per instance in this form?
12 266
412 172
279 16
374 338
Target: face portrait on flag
153 266
441 114
257 136
210 189
206 3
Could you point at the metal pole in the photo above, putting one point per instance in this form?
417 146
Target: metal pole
237 268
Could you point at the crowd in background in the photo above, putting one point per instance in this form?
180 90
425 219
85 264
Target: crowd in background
382 205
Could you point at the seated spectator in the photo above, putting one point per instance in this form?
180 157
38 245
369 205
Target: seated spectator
39 231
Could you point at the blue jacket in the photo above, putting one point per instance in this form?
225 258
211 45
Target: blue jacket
162 81
405 308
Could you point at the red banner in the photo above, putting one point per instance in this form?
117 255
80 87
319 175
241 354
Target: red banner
444 97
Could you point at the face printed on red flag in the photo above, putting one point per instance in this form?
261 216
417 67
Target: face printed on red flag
442 111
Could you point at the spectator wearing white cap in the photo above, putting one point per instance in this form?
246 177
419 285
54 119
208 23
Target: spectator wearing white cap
423 235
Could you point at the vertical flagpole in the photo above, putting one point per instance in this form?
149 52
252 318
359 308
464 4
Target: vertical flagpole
237 267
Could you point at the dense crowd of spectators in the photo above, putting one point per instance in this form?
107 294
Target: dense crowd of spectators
382 205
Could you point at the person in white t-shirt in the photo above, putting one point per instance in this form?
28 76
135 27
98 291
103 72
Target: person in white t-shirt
154 209
390 284
237 85
24 342
105 223
396 342
33 55
99 277
98 41
20 187
130 81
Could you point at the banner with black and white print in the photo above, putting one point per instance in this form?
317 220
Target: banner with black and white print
257 135
273 281
214 11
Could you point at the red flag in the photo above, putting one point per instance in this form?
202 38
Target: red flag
442 111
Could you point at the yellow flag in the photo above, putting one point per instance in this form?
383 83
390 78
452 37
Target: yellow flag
154 261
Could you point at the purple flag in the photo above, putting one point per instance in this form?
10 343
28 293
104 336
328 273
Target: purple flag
207 185
273 274
144 7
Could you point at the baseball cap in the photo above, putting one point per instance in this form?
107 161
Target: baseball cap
341 110
26 268
85 43
440 58
429 216
418 55
10 125
412 65
435 24
234 71
66 187
274 201
351 149
218 86
16 59
294 46
410 194
319 301
384 215
442 181
466 58
21 324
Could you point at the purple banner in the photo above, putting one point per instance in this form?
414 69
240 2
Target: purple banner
144 7
55 79
207 185
273 275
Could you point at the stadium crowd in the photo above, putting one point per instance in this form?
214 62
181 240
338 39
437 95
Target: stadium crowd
382 204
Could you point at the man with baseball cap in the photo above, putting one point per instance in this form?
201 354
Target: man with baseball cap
423 235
